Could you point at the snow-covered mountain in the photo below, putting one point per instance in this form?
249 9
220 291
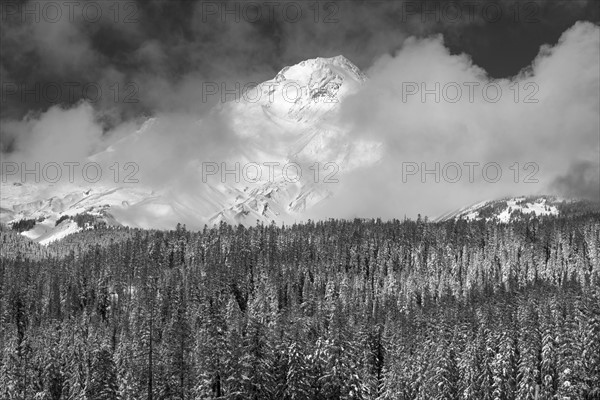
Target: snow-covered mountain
290 119
512 209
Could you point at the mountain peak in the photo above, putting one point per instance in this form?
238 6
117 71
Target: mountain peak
290 118
306 91
305 69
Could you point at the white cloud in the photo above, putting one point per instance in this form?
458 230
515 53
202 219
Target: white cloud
558 131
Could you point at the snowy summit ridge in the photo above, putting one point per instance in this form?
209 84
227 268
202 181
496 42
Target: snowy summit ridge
303 92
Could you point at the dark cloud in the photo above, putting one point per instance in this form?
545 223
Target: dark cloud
582 180
161 45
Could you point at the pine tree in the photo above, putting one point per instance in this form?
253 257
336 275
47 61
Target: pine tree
103 379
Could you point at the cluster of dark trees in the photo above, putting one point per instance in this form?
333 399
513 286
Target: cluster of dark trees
82 220
359 309
23 225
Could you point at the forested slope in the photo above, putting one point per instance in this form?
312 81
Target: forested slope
358 309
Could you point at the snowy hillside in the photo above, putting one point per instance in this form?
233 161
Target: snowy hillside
511 209
288 119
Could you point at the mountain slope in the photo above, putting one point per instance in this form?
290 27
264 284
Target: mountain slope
290 119
510 209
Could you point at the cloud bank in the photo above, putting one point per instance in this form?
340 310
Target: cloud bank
546 115
553 124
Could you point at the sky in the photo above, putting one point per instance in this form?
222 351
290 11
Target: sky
77 78
166 47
